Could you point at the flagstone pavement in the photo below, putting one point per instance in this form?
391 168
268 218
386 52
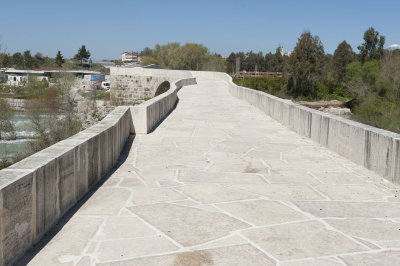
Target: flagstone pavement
220 183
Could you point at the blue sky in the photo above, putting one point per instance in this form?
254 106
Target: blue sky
108 28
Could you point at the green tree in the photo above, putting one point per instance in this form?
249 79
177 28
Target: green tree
191 56
278 59
269 62
253 61
61 120
147 51
162 54
343 56
230 61
17 60
82 54
368 80
390 69
372 48
305 65
40 59
214 63
29 61
5 60
59 59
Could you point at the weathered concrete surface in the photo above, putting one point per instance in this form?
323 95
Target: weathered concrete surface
146 115
36 191
375 149
221 183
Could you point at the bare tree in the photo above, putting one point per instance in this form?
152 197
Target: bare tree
7 129
53 114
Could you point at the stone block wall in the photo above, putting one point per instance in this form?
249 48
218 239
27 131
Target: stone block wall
128 89
129 85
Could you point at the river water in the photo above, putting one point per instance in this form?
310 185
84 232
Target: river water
24 132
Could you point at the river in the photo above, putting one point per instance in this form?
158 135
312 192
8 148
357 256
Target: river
24 132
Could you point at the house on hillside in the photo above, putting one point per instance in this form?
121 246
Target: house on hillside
130 57
289 53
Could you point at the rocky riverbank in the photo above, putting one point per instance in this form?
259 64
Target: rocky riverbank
334 107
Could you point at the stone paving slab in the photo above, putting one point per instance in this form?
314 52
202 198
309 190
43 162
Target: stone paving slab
225 256
188 226
302 240
220 183
253 210
387 258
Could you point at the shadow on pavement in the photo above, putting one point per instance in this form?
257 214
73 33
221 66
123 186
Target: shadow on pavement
35 249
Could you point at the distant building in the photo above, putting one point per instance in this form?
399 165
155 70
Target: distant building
20 77
130 57
17 77
288 53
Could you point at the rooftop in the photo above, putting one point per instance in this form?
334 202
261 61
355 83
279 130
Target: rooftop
44 70
131 53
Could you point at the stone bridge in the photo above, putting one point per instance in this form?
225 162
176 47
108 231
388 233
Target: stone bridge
129 85
230 176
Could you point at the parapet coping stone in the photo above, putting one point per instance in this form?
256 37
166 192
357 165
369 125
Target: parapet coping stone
10 176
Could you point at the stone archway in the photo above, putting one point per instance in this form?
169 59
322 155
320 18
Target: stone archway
163 87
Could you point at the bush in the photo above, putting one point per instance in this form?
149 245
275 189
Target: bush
273 85
378 112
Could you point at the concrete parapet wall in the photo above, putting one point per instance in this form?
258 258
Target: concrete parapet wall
148 114
139 71
375 149
37 191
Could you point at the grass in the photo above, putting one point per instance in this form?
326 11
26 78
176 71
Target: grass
99 95
15 92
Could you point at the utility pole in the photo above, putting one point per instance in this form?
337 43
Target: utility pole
237 66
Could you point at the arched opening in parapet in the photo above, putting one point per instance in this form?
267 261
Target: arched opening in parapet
163 87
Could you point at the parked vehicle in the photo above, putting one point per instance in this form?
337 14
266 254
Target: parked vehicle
105 85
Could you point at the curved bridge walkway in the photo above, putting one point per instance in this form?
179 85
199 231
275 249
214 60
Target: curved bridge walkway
220 183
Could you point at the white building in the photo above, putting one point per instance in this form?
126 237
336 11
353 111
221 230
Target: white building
288 53
20 77
130 57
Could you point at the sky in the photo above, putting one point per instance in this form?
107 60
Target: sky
108 28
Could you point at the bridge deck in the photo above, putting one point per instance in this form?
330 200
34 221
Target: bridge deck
218 182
